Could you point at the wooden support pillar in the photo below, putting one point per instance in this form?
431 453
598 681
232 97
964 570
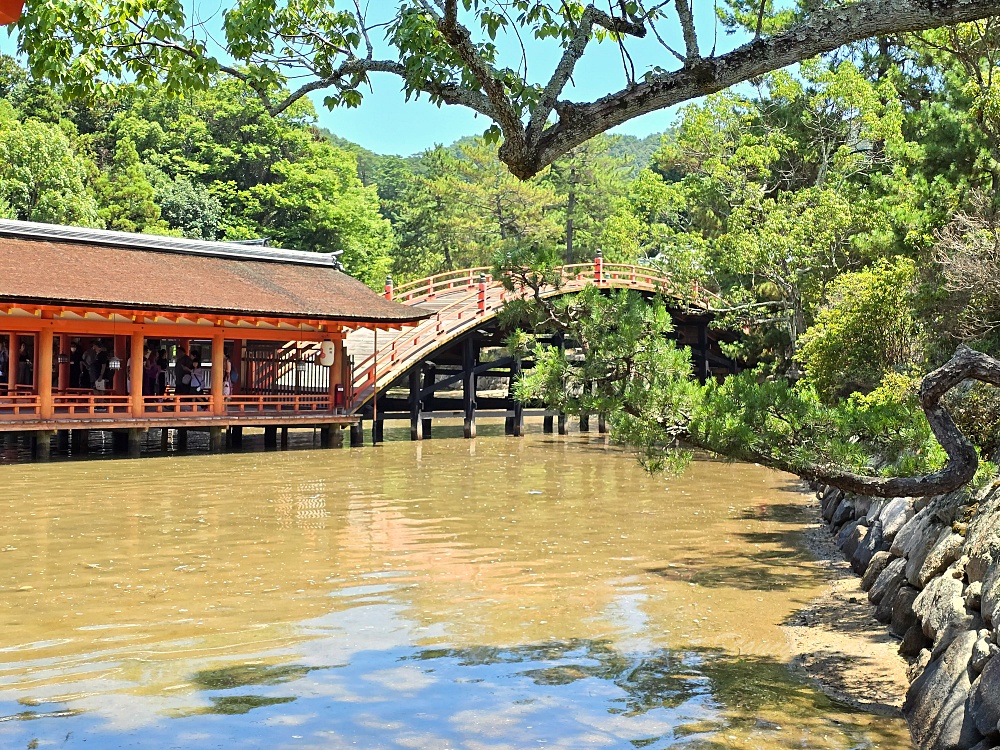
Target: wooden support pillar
378 431
13 345
42 443
62 441
119 441
518 406
469 386
216 437
182 439
584 423
563 428
602 424
547 424
135 367
237 436
236 360
164 439
358 434
218 381
63 383
416 407
325 436
429 375
284 437
135 436
337 440
43 356
79 441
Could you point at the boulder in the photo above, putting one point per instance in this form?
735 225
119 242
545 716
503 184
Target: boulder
878 563
985 745
894 516
887 579
878 504
903 616
830 508
941 609
984 701
844 514
944 553
982 652
853 539
974 596
983 536
867 547
935 705
885 608
920 552
827 498
914 641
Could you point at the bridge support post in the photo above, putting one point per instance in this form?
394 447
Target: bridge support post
517 423
547 424
62 440
378 431
584 423
602 425
563 427
469 387
182 438
416 408
357 434
429 376
704 371
236 432
216 438
270 437
337 440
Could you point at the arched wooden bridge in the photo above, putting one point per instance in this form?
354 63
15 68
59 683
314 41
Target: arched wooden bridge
465 300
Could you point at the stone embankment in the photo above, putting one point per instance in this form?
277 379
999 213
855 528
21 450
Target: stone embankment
931 568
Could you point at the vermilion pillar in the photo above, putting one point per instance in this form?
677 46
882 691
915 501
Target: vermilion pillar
43 356
12 347
135 367
218 381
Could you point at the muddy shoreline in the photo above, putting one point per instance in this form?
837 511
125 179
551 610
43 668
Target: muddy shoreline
836 641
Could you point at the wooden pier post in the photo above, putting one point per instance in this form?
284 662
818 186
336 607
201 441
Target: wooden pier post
358 434
237 436
584 423
284 438
182 439
416 407
270 437
469 387
338 437
517 422
602 424
164 439
42 444
563 428
79 441
135 434
62 440
547 424
215 439
429 375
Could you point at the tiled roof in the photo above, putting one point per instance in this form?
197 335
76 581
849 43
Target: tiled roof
45 264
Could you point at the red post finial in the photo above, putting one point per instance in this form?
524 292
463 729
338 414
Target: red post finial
388 288
482 292
599 267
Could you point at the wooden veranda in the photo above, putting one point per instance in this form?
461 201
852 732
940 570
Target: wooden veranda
259 314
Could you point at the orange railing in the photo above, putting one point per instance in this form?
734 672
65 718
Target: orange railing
79 404
465 307
171 405
19 407
265 404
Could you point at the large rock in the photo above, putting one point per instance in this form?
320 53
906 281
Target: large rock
984 701
879 563
921 550
875 509
903 616
983 546
941 609
894 516
829 507
935 704
885 608
866 549
888 579
944 553
844 514
856 533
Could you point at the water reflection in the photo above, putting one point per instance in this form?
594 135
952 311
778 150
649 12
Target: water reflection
533 592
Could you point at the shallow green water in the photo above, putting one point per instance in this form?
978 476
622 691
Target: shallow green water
497 593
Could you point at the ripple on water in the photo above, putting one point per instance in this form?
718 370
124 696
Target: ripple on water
496 593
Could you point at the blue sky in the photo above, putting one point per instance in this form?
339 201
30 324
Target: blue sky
387 124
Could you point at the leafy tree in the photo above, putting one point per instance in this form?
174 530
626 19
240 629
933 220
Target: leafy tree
450 52
41 176
866 330
190 208
128 201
